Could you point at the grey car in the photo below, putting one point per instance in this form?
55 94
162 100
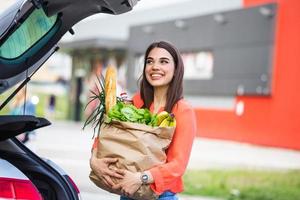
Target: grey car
29 35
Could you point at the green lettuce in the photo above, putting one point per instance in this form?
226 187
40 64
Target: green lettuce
130 113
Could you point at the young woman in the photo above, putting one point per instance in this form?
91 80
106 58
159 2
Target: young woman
161 89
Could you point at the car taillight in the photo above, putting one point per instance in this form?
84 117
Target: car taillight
18 189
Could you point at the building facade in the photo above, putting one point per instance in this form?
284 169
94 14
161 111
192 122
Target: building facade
245 81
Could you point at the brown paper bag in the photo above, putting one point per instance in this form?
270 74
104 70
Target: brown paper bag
138 147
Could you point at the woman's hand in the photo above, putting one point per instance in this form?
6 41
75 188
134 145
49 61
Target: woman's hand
130 183
100 168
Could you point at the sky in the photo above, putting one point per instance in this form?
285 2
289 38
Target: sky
145 4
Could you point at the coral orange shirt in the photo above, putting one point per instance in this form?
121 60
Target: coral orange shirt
168 176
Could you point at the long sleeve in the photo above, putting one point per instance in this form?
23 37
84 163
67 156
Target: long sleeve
169 175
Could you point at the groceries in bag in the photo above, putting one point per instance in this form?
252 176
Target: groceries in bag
135 136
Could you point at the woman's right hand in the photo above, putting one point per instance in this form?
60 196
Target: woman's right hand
102 171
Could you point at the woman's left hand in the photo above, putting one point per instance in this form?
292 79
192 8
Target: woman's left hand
130 183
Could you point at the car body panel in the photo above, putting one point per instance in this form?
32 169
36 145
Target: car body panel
7 170
13 125
8 16
52 183
20 64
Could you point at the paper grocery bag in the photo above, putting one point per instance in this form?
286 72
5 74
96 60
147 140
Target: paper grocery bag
138 147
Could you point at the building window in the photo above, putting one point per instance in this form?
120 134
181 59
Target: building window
198 65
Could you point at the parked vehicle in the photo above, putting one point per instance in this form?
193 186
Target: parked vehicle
29 33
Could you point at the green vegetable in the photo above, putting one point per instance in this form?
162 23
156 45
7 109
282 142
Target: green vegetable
121 111
96 118
128 112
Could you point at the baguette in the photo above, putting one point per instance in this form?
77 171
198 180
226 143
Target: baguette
110 88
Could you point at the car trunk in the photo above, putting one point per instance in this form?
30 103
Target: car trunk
50 182
13 125
20 64
51 19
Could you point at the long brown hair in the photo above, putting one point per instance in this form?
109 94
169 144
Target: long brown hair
175 89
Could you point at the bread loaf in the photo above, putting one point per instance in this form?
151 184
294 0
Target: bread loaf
110 88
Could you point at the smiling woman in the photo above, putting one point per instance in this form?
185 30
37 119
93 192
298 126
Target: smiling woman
161 91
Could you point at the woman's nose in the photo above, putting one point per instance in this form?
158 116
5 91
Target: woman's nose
155 66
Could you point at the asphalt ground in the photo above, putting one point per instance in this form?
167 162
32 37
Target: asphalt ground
69 146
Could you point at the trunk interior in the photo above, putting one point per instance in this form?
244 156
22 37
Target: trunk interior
48 181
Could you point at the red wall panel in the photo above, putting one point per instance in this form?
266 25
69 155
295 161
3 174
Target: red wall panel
275 120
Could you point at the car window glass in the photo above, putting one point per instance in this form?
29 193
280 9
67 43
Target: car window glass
25 36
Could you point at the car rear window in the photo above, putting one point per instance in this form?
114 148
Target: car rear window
27 34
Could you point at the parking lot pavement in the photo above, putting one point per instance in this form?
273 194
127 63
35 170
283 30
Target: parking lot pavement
69 146
212 153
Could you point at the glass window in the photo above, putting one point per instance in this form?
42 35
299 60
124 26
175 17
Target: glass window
198 65
26 35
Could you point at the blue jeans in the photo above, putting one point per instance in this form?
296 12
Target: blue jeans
164 196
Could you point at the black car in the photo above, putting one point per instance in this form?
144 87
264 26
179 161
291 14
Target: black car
29 35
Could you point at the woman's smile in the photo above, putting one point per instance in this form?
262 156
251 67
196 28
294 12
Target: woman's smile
156 76
159 67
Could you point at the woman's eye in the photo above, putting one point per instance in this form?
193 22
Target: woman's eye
164 62
149 61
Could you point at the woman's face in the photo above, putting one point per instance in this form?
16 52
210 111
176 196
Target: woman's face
159 67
